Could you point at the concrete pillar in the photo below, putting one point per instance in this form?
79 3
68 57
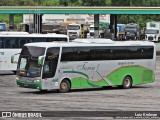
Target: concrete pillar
115 27
11 22
37 21
111 26
96 25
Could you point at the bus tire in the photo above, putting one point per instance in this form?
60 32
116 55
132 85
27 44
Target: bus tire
44 91
65 86
127 82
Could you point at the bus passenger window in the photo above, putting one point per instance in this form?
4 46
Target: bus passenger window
22 42
7 43
40 39
49 40
1 43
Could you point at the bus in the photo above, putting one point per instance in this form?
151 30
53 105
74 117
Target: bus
86 63
12 43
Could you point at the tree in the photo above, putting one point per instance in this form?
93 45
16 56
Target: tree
50 3
70 2
93 3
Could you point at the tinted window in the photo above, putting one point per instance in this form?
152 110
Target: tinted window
18 42
107 53
147 52
68 54
77 54
39 39
118 53
50 64
1 43
135 52
85 54
9 42
22 41
102 53
13 42
57 39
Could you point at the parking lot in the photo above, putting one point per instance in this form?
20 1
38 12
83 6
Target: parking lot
139 98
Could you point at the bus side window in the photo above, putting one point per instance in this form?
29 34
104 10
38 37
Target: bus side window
7 43
40 40
1 43
14 43
84 54
68 54
22 42
51 61
49 40
29 40
102 53
147 52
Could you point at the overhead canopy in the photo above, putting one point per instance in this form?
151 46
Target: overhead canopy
77 10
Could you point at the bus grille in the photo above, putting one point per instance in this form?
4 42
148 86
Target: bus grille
150 38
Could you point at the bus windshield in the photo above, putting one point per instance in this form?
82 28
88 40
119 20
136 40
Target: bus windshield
28 61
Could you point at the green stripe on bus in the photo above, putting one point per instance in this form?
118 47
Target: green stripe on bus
84 74
34 85
139 75
85 82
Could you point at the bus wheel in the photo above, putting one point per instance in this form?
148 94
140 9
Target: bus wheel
127 82
43 90
64 86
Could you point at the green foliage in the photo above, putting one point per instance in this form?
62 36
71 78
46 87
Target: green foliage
50 3
93 3
70 2
17 18
140 19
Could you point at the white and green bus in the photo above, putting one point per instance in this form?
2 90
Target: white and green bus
12 43
86 63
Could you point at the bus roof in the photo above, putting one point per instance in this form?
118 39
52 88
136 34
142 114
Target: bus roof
13 33
25 34
82 44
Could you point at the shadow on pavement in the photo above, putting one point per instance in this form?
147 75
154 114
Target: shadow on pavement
84 90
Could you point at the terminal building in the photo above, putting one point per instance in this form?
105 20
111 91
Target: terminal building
60 18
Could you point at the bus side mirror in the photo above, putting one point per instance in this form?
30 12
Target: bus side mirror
12 58
40 60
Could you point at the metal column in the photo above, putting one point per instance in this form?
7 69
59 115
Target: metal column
113 26
96 25
37 21
11 22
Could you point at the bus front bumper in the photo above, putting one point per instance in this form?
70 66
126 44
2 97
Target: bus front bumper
33 85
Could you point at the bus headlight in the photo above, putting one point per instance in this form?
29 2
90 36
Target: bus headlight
36 80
